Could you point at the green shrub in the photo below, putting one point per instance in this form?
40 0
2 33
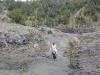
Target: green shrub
17 16
64 20
72 53
71 44
95 17
98 8
49 22
89 11
51 14
80 20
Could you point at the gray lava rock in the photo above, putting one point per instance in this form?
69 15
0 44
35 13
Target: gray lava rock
13 38
2 44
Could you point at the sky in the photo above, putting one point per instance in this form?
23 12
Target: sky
20 0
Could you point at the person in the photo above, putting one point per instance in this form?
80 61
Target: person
54 50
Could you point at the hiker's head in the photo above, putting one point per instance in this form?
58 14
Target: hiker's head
53 43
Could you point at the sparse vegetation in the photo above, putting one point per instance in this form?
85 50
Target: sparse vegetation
73 54
30 42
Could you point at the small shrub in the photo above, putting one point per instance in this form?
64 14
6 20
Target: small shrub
30 42
9 51
72 53
90 11
64 20
71 44
49 22
80 20
98 8
95 17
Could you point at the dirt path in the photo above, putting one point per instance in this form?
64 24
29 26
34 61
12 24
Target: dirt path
45 66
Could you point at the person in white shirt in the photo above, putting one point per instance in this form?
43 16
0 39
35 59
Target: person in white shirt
54 50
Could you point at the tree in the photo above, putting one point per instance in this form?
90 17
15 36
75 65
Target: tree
73 55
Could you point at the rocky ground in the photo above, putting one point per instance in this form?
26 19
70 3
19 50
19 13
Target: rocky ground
26 51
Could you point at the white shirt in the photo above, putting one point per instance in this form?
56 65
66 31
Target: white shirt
54 48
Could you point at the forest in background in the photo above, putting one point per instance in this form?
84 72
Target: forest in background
54 13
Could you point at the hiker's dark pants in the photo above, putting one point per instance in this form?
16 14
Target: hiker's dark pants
54 55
